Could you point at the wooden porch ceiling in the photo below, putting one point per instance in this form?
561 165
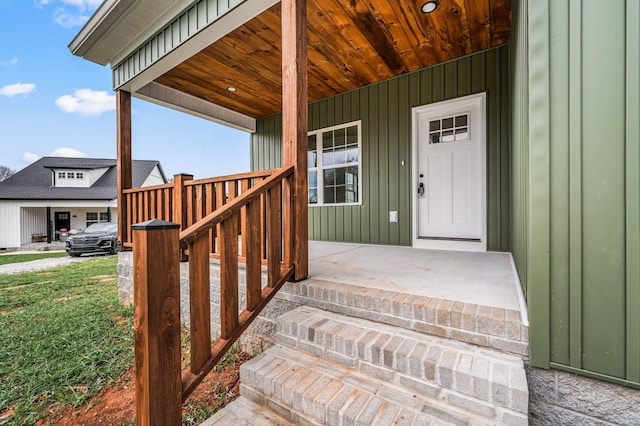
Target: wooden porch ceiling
352 43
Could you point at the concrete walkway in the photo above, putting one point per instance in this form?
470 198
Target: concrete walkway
486 278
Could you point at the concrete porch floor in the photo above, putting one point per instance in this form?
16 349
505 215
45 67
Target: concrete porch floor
483 278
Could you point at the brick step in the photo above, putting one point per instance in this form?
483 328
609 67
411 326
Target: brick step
244 412
492 327
307 390
481 380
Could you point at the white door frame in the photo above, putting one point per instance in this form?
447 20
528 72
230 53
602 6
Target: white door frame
443 244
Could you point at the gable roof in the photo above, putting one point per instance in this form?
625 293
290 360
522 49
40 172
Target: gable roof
34 181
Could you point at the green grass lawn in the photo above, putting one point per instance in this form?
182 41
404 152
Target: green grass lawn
63 336
19 258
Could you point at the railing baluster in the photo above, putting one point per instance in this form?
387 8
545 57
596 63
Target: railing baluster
210 206
244 187
274 235
221 193
251 240
199 302
228 239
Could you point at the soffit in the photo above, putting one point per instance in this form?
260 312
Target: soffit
352 43
118 26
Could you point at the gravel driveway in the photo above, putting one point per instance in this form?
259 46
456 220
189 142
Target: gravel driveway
36 265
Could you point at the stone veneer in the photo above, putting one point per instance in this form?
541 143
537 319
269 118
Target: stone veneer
560 398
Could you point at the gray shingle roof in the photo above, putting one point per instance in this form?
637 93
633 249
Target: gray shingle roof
34 181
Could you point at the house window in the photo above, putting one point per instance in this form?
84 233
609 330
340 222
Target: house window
62 175
71 175
79 175
92 217
449 129
334 165
104 217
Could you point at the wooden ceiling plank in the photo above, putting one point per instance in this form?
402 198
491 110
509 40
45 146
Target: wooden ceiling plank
479 23
392 20
500 13
331 42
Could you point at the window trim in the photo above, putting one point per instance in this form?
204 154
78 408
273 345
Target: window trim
320 167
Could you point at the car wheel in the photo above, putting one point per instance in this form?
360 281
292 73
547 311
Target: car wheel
74 254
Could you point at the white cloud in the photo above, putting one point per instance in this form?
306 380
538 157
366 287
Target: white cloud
69 20
30 157
10 63
82 4
70 13
87 102
17 89
68 152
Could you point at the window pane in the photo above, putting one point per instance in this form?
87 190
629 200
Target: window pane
313 179
79 175
434 125
434 138
447 136
462 134
352 155
339 137
313 196
352 135
312 156
329 196
104 217
327 140
71 175
92 215
329 177
340 176
327 159
447 123
340 194
339 157
461 120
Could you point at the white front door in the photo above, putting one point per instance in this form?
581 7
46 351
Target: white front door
449 174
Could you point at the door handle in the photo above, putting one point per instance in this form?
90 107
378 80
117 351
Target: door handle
421 188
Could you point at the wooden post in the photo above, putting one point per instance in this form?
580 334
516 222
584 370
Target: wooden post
156 284
124 165
180 204
295 126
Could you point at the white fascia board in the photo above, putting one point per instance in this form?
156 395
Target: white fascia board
174 99
223 26
106 20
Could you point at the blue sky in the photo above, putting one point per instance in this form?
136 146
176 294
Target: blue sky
54 103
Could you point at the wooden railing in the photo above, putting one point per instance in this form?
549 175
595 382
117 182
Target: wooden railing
263 211
185 202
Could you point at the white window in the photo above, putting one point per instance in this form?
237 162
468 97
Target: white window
62 175
449 129
334 165
79 175
71 175
92 217
104 217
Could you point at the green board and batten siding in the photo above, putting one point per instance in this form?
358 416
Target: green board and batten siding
385 112
576 189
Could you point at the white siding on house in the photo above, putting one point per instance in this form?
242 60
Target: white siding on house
154 178
9 224
33 220
96 174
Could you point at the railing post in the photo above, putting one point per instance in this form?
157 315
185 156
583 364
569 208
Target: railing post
156 278
180 203
123 161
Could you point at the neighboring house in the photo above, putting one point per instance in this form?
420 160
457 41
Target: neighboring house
66 193
488 126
